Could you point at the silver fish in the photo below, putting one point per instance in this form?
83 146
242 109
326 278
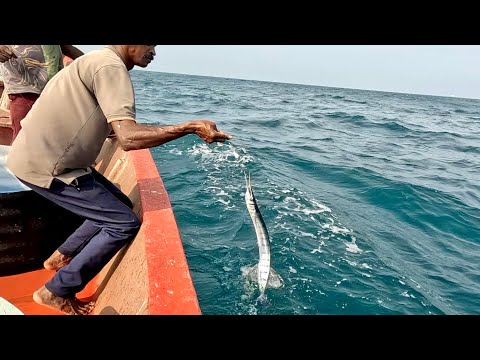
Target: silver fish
263 240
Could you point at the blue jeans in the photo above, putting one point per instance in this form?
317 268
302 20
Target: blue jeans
109 224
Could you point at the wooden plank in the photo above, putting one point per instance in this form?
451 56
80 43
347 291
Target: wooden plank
6 131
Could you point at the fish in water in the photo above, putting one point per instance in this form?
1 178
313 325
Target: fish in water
263 273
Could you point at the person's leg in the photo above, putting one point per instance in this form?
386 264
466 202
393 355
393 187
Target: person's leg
64 254
20 105
112 188
114 224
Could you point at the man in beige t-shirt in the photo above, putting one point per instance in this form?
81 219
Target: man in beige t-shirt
60 139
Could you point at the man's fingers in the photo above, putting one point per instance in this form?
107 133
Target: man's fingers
223 135
212 134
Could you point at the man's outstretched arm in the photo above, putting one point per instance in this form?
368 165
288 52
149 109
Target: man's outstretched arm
133 136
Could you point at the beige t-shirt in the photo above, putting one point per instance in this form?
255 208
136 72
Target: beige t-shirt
64 131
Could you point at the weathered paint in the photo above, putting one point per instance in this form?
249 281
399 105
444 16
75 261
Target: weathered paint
171 289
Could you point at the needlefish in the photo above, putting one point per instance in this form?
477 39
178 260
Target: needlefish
262 272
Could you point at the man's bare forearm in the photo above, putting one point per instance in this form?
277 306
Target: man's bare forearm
147 136
133 136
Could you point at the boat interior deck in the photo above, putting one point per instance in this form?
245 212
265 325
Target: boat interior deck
150 276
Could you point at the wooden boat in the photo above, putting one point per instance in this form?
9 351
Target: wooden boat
6 131
150 276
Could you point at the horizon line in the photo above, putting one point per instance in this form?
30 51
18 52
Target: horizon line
303 84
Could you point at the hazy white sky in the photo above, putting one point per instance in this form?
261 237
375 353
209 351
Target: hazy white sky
447 70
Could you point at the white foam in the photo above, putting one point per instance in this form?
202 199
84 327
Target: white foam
322 207
220 153
175 151
351 263
223 193
406 294
310 235
416 283
353 248
338 230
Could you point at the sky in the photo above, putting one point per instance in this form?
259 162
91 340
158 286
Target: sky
444 70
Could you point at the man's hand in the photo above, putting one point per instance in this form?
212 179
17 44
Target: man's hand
6 53
208 132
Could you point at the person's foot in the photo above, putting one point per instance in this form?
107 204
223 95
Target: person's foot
56 261
68 306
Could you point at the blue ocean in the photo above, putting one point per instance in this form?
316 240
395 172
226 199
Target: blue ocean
371 199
